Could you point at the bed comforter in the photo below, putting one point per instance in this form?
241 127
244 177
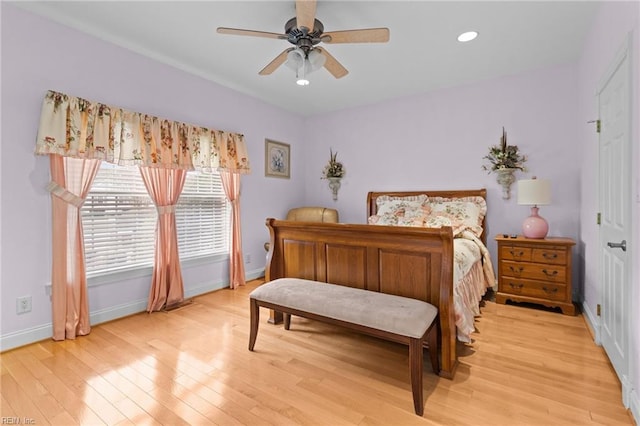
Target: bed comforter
472 275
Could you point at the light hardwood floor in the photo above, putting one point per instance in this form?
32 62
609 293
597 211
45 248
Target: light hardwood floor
192 366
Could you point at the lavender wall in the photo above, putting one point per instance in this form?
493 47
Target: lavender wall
38 55
615 22
437 141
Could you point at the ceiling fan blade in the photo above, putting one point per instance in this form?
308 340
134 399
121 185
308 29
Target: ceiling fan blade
273 65
306 13
252 33
369 35
332 65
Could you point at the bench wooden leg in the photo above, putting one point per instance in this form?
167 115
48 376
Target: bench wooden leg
255 320
287 321
432 338
415 367
275 317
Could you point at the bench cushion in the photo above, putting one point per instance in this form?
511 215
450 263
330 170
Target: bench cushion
394 314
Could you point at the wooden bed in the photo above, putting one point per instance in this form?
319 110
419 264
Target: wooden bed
415 262
398 260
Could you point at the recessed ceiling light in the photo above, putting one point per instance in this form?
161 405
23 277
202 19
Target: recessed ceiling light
468 36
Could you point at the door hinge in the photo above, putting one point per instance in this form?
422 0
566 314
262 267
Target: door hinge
598 219
598 309
598 126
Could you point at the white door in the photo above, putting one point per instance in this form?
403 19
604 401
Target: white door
615 208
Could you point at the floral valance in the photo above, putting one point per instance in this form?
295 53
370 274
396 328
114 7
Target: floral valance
75 127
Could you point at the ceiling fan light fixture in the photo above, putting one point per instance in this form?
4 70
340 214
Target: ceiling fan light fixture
316 60
304 64
295 59
298 58
468 36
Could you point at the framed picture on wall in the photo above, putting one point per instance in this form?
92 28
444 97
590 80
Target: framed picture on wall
277 160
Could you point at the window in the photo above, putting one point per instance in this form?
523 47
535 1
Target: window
119 220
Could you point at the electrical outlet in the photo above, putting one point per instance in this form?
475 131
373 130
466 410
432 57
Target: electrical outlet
23 305
247 258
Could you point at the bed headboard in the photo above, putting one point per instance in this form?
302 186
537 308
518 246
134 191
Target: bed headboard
372 206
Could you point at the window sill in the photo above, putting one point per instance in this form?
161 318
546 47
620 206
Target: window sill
145 271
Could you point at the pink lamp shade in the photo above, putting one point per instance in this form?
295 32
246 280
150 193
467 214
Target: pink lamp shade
534 192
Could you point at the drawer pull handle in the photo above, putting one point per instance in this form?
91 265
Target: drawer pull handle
550 290
550 256
550 274
517 271
516 254
516 286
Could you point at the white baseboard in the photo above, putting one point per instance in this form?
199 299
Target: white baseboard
593 322
634 405
115 312
254 274
42 332
24 337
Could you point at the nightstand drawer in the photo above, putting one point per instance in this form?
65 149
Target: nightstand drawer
516 253
530 288
551 255
534 271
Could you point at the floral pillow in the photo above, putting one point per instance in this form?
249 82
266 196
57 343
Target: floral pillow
465 213
437 221
402 206
391 219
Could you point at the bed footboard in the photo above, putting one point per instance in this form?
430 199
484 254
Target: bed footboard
404 261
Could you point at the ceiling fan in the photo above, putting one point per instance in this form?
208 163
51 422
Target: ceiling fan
305 32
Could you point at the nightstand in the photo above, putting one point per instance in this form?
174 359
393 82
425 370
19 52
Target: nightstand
535 271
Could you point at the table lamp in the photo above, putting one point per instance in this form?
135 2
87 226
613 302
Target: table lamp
534 192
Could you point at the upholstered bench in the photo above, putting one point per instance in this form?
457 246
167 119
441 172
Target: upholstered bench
398 319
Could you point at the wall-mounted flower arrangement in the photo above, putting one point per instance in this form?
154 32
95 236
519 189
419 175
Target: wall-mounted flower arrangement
334 168
504 156
504 160
334 171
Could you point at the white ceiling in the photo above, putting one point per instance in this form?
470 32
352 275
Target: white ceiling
422 54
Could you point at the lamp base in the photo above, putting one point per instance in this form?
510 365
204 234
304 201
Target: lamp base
535 226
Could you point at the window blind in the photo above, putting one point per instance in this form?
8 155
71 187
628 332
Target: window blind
119 220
